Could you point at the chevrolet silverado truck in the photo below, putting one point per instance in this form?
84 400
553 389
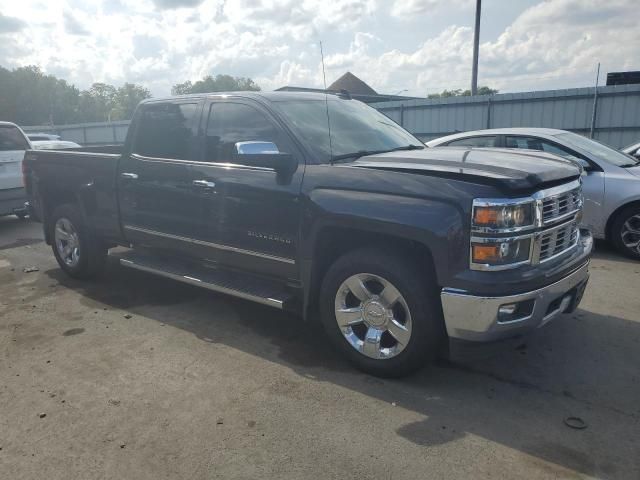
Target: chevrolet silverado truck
322 205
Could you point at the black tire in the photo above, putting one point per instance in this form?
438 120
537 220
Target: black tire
630 214
92 252
418 290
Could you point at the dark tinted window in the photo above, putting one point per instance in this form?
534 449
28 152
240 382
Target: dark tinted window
533 143
165 131
230 123
12 139
488 141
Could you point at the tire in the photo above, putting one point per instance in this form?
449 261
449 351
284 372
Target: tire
86 256
417 310
622 232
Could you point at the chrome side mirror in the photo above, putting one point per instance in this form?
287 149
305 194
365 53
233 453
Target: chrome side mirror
256 148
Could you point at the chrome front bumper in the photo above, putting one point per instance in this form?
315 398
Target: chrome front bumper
477 318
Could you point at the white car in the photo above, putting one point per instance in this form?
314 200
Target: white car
13 143
611 179
53 144
35 137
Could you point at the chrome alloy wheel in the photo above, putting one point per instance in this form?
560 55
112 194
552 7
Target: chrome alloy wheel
630 233
373 316
67 242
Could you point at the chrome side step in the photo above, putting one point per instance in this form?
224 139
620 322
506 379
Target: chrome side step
218 280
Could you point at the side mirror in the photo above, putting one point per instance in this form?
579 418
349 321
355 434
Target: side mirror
256 148
264 154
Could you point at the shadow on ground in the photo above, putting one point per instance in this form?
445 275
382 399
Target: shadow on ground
519 398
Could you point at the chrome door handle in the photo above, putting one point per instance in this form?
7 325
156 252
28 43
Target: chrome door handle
204 183
129 176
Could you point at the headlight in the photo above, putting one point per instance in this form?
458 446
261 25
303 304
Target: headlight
502 217
493 254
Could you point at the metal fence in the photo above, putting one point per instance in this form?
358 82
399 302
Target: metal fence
617 119
89 134
617 113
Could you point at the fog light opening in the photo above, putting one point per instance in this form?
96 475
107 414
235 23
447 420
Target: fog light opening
513 312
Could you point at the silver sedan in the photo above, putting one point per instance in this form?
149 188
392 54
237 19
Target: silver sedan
611 179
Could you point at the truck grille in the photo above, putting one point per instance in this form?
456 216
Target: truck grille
556 241
561 206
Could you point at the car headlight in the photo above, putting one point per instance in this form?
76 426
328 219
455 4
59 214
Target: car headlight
502 217
497 253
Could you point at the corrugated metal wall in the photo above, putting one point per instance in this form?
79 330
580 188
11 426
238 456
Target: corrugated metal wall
86 134
617 115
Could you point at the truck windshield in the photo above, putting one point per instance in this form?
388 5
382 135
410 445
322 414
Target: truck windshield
355 128
600 150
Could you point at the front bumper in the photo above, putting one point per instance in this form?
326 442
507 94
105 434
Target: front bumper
478 318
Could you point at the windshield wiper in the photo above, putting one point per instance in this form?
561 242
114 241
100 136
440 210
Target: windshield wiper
364 153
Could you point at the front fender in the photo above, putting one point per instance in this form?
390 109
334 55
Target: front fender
437 225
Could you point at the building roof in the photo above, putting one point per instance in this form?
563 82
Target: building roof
352 84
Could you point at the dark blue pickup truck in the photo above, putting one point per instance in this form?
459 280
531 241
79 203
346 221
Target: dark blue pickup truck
320 204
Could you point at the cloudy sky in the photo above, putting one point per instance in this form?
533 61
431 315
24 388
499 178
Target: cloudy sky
422 46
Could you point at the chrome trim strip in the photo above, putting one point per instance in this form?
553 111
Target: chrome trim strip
290 261
272 302
536 259
227 165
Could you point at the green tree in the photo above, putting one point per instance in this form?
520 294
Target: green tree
462 93
219 83
126 99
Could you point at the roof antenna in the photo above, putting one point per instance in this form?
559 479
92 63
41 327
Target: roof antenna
326 102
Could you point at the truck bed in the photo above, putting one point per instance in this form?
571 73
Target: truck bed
78 174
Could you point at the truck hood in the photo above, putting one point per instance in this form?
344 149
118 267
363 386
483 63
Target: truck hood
507 169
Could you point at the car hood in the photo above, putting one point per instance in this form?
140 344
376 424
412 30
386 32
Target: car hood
508 170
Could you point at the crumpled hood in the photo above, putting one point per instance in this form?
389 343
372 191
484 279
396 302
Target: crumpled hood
507 169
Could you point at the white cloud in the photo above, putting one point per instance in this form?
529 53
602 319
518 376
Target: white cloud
407 8
159 43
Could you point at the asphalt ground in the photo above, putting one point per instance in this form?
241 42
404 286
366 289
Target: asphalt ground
138 377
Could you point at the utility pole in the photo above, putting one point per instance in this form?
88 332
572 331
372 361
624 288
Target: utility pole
476 45
595 105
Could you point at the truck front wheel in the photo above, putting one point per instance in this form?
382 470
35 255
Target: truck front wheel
382 312
78 252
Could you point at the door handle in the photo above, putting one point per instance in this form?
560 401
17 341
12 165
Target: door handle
204 184
129 176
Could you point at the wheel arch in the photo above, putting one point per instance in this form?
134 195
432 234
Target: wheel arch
52 199
334 241
614 215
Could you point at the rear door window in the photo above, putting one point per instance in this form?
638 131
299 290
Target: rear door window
166 130
479 142
11 138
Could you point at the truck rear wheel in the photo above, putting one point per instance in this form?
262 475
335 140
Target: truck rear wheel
625 231
382 312
78 252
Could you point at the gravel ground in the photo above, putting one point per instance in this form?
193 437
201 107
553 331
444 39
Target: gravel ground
138 377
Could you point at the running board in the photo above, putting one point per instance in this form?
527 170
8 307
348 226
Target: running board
229 282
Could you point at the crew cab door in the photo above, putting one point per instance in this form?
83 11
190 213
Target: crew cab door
251 213
159 205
